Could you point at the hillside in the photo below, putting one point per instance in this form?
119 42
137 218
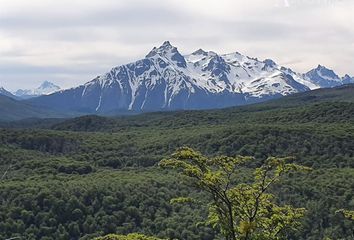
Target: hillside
4 92
11 110
92 176
343 93
14 110
322 105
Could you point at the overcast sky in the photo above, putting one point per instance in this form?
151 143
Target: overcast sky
69 42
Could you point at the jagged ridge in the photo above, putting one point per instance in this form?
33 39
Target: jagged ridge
166 80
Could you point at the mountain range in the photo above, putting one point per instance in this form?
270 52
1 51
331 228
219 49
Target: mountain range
45 88
167 80
4 92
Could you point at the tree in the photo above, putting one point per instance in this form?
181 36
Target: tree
349 215
240 210
133 236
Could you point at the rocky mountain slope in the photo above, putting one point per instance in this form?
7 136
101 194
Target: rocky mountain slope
167 80
6 93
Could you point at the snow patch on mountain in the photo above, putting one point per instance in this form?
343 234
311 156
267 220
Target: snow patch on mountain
167 80
6 93
45 88
323 77
347 79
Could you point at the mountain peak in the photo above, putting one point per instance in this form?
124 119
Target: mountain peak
166 44
320 67
347 79
326 71
200 52
6 93
162 50
168 51
269 63
47 84
44 89
323 77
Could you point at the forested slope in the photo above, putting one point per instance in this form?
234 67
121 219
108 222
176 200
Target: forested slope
92 176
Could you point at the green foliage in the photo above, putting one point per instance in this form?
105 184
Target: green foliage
239 210
87 206
346 213
92 176
349 216
133 236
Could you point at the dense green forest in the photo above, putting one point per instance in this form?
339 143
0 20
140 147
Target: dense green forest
91 176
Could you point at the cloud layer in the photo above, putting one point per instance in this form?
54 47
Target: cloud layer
71 41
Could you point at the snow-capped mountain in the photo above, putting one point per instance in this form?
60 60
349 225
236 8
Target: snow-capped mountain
166 80
347 79
323 77
6 93
45 88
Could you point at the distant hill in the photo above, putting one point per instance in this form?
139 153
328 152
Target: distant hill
322 105
11 109
6 93
344 93
16 110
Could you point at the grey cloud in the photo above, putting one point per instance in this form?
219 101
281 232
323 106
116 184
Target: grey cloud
88 41
135 14
23 69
